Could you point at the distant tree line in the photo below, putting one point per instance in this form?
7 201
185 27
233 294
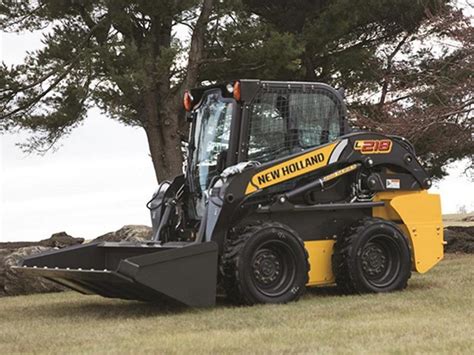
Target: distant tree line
407 66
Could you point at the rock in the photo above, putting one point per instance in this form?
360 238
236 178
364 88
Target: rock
469 218
3 269
11 254
14 283
61 240
459 239
129 233
20 284
57 240
15 245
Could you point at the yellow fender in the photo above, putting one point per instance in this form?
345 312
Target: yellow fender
320 254
419 214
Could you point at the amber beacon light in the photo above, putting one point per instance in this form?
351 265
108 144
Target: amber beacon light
237 90
187 101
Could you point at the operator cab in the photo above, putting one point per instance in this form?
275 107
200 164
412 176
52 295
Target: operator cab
253 120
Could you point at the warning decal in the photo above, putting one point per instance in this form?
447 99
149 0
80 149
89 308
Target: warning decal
392 183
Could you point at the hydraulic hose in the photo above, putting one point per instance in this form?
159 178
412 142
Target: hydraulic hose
319 183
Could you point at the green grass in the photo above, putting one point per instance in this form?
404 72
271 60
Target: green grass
434 315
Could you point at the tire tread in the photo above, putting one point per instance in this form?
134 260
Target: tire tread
231 259
346 278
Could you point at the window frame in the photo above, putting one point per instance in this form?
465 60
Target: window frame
235 125
333 95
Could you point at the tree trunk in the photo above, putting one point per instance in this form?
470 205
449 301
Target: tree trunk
165 152
164 141
162 108
308 64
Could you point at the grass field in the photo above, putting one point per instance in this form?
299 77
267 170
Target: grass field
434 315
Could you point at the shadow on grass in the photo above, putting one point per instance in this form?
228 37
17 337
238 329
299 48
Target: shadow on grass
324 291
98 308
419 285
95 307
331 291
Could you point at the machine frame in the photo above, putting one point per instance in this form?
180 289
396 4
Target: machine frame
361 192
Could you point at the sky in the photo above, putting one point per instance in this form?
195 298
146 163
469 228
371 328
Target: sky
101 176
97 181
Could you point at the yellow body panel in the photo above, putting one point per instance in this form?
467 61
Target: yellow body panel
291 168
420 213
320 253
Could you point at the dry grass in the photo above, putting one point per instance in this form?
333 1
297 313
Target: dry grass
434 315
458 220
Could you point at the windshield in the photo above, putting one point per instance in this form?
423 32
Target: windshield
211 139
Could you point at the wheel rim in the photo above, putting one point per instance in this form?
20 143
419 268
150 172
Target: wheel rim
273 268
380 260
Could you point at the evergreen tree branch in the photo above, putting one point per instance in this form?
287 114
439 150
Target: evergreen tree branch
56 81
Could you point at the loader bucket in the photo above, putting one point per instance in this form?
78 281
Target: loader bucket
179 274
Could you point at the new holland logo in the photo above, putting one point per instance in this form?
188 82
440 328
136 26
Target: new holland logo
373 146
291 168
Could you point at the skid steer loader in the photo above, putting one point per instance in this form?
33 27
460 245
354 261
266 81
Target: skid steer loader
278 195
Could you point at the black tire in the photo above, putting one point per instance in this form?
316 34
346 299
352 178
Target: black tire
264 264
373 256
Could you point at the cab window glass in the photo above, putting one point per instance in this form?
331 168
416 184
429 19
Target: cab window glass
283 123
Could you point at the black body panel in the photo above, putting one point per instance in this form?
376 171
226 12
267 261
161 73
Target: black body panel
317 225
